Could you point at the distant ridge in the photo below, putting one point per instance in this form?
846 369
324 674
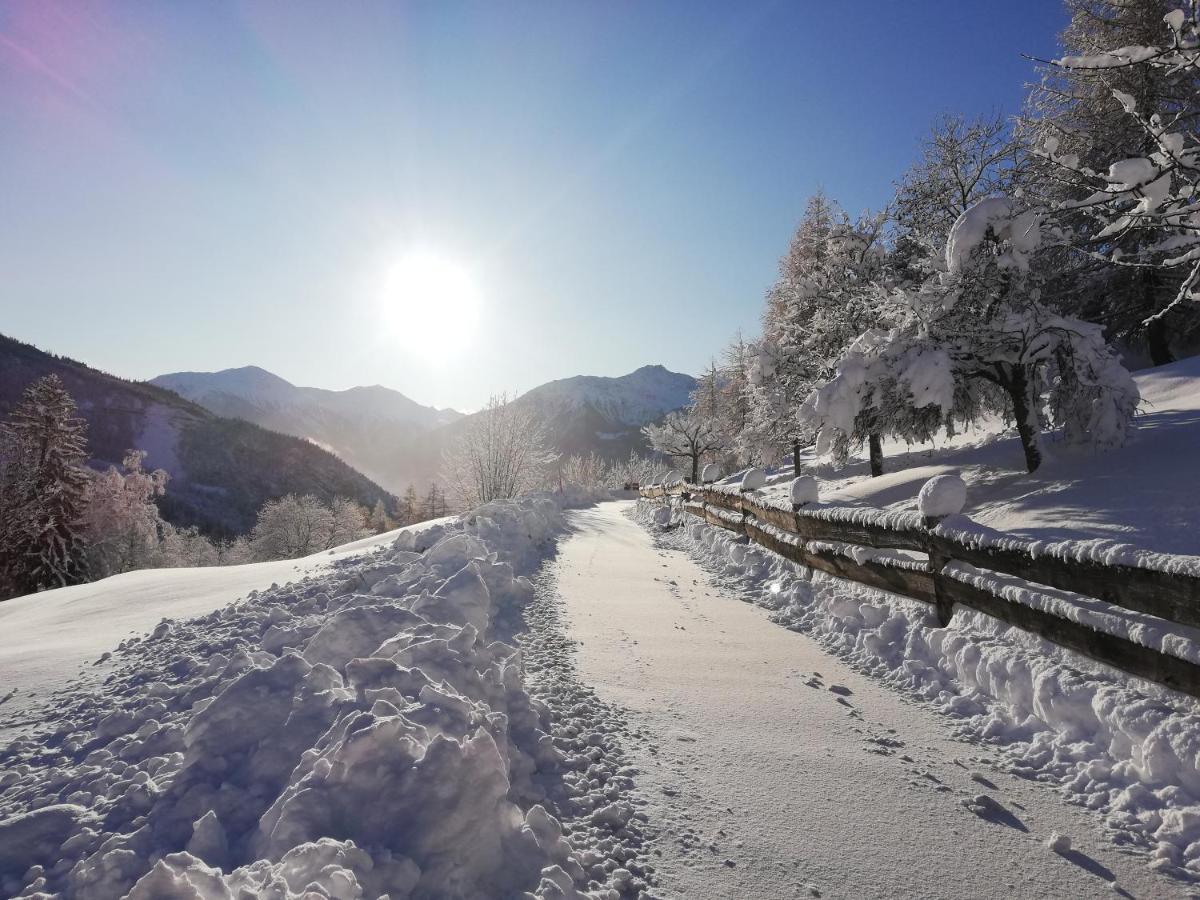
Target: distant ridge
222 469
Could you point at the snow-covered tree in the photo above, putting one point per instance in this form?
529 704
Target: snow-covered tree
43 448
827 294
980 326
961 162
590 471
349 522
685 434
294 526
505 451
1090 113
1136 189
120 521
187 547
380 521
410 507
637 469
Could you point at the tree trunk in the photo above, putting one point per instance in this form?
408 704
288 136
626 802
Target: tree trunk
1158 337
695 468
876 446
795 458
1017 385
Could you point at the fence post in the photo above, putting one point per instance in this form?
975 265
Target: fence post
940 496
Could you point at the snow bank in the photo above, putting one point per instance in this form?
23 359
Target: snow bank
1122 747
365 732
942 495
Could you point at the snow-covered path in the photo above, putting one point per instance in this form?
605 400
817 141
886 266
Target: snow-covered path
767 779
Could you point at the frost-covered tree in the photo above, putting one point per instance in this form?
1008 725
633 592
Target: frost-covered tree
685 434
293 526
349 522
1093 113
827 294
637 469
380 521
119 520
188 548
981 326
43 449
410 506
505 451
961 161
590 471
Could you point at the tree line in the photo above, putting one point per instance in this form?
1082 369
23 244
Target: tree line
63 523
1018 264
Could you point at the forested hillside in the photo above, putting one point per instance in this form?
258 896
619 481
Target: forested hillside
222 470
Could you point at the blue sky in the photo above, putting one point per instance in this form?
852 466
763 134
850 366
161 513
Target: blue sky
206 185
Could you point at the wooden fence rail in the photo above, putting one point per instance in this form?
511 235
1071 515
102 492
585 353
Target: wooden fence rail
804 535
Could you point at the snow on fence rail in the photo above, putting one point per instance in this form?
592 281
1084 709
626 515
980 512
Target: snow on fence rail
846 542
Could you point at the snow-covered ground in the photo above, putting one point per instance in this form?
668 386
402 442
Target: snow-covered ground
770 768
1127 749
47 638
362 732
1145 493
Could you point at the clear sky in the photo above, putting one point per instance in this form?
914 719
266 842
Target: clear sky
196 186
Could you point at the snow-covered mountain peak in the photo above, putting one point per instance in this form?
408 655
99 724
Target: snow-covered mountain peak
634 399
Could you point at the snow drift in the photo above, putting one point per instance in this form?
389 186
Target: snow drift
364 732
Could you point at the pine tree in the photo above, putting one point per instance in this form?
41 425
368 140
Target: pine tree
410 506
827 294
44 448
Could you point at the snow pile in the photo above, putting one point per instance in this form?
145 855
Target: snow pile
805 489
754 480
942 495
711 473
365 732
998 215
1125 748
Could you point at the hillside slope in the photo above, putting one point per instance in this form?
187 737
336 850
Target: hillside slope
1146 493
222 469
585 414
362 425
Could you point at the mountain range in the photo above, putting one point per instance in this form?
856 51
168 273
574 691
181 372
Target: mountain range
397 442
368 427
231 440
222 469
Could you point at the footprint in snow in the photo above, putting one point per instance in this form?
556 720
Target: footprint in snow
840 689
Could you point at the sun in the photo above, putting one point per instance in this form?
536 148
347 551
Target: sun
431 303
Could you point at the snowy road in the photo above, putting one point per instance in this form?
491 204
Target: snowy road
766 779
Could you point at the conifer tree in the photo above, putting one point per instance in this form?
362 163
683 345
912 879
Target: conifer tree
44 451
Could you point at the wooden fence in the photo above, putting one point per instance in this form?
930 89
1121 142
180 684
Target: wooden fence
805 535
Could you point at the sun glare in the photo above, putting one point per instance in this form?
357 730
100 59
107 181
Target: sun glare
431 304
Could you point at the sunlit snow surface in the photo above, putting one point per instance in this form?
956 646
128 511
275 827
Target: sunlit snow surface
360 732
1145 494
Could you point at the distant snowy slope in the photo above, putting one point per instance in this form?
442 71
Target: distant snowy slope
593 414
631 400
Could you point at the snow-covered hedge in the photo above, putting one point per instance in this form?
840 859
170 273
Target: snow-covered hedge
1113 743
358 734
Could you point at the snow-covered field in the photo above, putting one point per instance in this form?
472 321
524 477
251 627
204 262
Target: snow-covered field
1145 493
361 732
1127 749
46 638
